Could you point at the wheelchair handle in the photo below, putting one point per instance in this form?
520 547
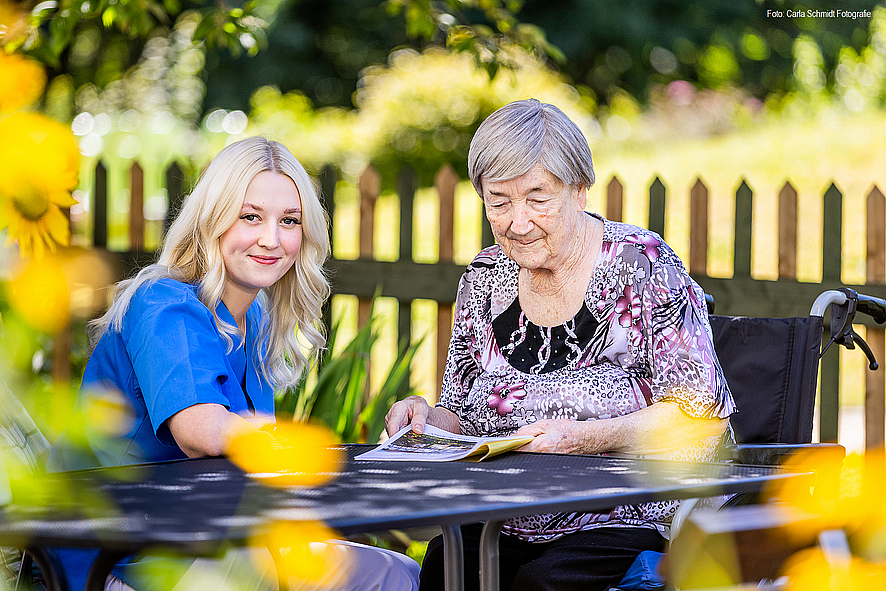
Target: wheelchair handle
825 299
870 305
873 307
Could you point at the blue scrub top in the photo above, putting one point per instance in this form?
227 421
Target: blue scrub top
168 356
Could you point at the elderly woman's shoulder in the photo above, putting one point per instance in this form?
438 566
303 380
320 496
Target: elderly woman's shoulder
647 242
621 231
487 258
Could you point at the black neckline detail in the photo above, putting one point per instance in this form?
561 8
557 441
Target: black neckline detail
536 349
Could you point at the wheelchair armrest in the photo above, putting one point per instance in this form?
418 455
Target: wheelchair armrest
773 454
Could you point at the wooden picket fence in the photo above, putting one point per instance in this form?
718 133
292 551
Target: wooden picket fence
407 280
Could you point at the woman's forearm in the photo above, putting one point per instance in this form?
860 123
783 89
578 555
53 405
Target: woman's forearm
443 418
657 429
205 429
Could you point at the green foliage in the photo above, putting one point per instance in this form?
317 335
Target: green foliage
417 550
97 41
320 47
635 45
488 39
422 109
340 396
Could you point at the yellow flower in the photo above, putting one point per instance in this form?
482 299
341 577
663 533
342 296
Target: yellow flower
810 570
304 555
22 81
39 294
292 454
39 162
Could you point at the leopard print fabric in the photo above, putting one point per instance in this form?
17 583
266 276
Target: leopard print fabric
641 337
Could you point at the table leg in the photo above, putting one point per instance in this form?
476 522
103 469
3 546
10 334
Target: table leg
453 558
489 555
101 568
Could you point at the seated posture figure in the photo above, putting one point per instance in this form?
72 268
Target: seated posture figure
586 333
197 344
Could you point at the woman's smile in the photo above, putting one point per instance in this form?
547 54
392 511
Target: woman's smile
264 260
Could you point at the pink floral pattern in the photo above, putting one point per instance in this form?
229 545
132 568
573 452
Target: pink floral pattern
504 395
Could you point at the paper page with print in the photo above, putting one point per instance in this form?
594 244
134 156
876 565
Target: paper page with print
437 445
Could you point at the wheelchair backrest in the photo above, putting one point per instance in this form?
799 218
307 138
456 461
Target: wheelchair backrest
771 366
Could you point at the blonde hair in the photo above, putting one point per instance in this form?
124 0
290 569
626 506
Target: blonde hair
191 253
528 133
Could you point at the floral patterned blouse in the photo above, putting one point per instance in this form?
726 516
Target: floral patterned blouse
641 337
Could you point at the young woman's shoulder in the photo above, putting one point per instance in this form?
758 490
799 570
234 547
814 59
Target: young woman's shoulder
166 289
157 294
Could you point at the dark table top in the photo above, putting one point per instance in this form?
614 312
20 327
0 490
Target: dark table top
198 506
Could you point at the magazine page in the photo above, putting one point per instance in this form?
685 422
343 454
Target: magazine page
437 445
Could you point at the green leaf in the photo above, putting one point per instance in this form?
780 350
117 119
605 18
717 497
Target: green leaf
109 16
205 27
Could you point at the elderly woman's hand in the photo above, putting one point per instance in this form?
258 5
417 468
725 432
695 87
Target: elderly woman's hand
558 436
657 429
413 410
416 411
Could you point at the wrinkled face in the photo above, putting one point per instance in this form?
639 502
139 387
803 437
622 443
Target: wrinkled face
263 243
534 217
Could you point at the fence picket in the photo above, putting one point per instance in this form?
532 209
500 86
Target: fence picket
831 261
744 215
657 195
615 200
369 186
445 181
407 185
698 229
875 381
327 197
100 207
787 232
136 207
175 193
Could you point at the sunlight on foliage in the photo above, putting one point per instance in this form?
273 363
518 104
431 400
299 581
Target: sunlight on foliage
288 454
421 108
339 393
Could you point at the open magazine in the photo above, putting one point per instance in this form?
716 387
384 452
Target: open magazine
437 445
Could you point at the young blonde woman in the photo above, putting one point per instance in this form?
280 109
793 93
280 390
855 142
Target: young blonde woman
197 344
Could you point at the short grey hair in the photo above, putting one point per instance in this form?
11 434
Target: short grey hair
523 134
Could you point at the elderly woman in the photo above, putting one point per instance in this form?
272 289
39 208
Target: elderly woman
587 333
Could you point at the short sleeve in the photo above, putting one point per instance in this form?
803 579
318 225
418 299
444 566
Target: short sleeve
685 369
177 355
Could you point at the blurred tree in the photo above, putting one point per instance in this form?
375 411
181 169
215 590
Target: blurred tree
96 41
634 45
320 47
